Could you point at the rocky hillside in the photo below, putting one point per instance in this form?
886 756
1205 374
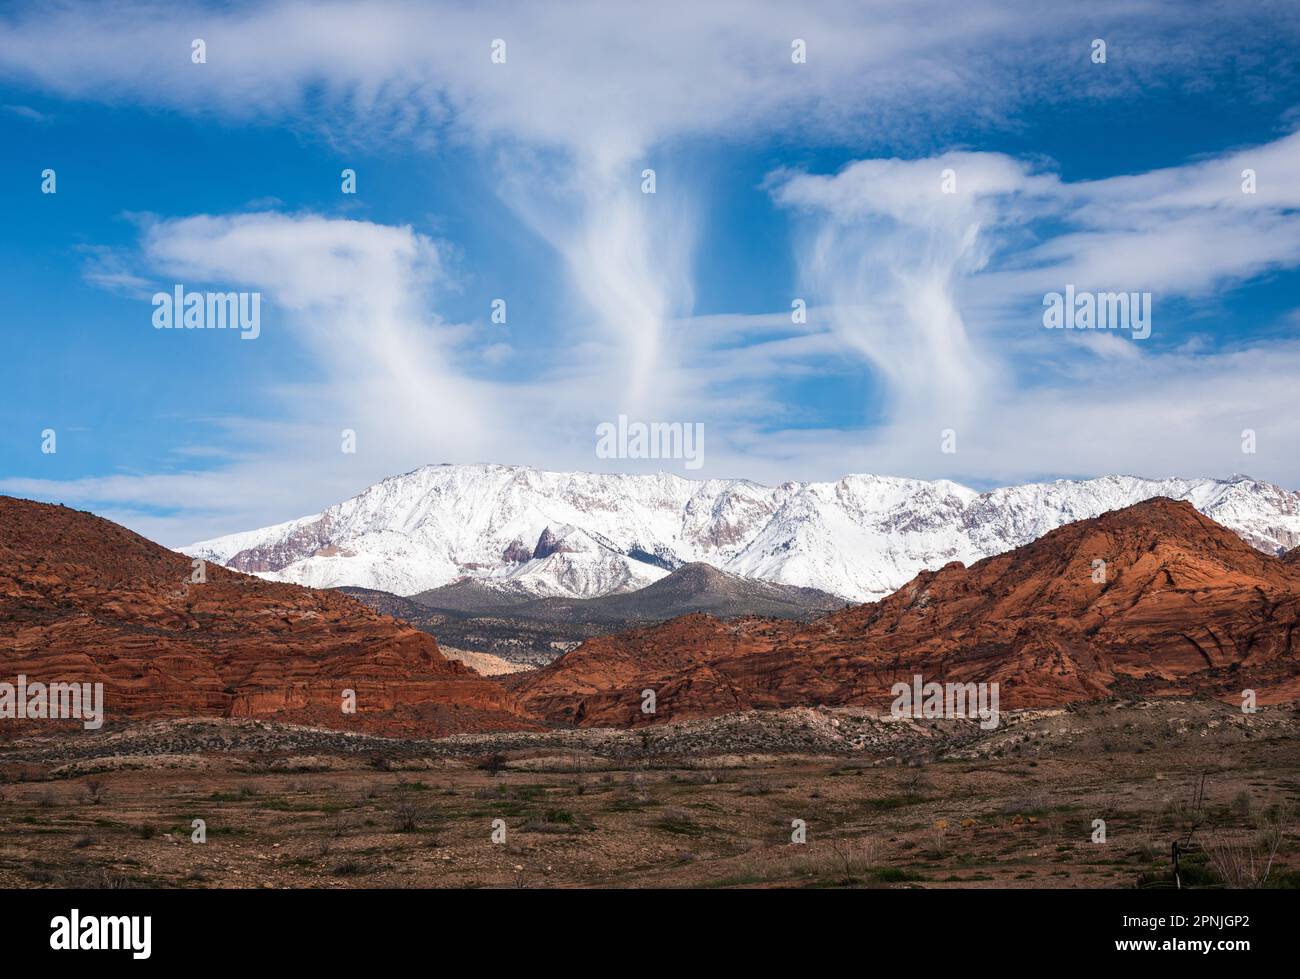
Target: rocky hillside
472 615
695 587
1180 605
83 599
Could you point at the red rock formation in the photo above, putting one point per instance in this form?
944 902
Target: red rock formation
1181 605
83 599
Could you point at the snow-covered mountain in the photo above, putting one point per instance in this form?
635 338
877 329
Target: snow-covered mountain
538 533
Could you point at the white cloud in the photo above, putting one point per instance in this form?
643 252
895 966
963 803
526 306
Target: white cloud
609 76
885 245
591 92
904 266
28 113
899 275
893 266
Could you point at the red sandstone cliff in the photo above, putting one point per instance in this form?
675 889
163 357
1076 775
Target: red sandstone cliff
1184 606
83 599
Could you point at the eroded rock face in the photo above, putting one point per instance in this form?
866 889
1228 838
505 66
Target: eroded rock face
550 543
1180 605
83 599
516 552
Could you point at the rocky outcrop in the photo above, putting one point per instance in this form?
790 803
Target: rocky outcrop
516 552
83 599
549 543
1152 599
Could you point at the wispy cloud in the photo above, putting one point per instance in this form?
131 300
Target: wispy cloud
935 294
28 113
890 261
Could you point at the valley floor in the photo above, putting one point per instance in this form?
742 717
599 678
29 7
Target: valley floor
698 804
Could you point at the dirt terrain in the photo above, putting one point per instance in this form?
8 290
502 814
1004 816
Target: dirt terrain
705 803
484 664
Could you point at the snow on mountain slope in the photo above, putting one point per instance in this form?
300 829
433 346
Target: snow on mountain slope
549 534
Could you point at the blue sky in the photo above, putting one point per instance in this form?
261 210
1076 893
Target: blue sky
775 181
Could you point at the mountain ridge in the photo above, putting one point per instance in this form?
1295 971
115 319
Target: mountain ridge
540 534
469 615
693 587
